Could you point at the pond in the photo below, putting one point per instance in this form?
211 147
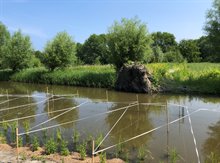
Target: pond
158 124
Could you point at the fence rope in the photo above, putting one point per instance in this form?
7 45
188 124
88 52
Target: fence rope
35 115
192 132
65 123
145 133
20 95
9 100
111 129
59 115
20 106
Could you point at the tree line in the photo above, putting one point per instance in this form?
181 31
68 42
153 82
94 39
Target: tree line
127 40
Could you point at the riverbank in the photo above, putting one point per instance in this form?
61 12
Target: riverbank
201 78
8 154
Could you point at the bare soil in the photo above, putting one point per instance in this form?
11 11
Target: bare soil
9 154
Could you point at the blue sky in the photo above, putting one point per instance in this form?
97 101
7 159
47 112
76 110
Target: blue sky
42 19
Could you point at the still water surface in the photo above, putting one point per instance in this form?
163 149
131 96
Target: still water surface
96 115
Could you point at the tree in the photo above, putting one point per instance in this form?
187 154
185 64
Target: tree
4 39
205 49
18 54
60 52
190 50
94 50
213 29
166 41
128 40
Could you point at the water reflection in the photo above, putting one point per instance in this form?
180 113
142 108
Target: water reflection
212 143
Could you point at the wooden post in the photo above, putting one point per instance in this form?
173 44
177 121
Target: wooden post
106 95
47 91
17 144
93 146
7 94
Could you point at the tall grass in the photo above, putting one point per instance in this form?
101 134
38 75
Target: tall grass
173 77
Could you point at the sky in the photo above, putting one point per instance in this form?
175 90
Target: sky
43 19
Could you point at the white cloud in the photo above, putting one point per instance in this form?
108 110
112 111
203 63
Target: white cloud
32 31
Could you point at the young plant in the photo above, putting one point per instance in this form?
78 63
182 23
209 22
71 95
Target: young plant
76 139
51 146
212 158
35 144
26 125
102 157
20 141
13 127
64 151
58 135
45 135
174 156
5 126
82 150
98 139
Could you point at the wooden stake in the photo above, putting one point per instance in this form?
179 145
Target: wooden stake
93 146
17 144
106 95
7 94
47 91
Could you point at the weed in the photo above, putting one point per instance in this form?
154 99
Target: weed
13 127
174 156
26 125
212 158
20 141
23 156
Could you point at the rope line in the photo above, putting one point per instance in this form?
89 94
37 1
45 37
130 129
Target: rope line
20 95
59 115
65 123
111 129
9 100
20 106
145 133
192 132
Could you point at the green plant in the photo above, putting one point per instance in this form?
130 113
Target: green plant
13 127
20 141
82 150
64 151
35 144
75 137
174 156
102 157
98 139
141 153
212 158
58 135
26 125
5 126
51 146
23 156
45 135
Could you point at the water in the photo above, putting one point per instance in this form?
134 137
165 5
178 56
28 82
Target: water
102 110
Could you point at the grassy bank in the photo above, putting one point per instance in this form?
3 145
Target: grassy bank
170 77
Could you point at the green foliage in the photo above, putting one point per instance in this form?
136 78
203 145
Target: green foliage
166 41
213 29
205 49
76 136
212 158
158 55
174 156
18 53
26 125
35 144
102 157
98 139
20 141
4 39
128 40
59 52
190 50
82 150
173 56
64 151
94 50
13 127
51 146
58 135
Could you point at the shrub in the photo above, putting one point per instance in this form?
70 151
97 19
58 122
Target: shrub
35 144
64 151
